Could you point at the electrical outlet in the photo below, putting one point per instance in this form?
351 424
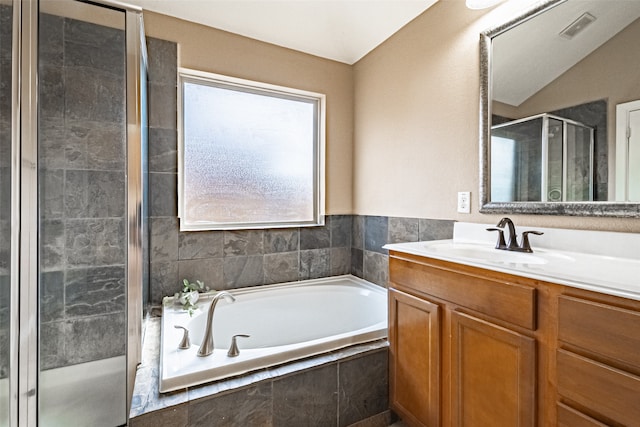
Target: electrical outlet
464 202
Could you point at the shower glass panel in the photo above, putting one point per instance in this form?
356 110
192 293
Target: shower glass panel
541 158
6 155
579 157
82 214
516 161
554 165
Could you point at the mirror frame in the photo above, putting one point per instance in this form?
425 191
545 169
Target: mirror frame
597 209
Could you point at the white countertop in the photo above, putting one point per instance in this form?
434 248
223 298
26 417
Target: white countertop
606 262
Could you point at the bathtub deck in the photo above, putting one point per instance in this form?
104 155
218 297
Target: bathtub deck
147 398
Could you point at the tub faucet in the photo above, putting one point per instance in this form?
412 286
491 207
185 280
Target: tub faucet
206 348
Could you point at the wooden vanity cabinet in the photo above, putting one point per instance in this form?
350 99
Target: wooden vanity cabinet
462 350
598 358
475 347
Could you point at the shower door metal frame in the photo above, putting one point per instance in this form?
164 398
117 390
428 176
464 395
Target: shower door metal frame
24 341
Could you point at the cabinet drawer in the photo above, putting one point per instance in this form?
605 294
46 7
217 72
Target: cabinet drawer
569 417
510 302
605 390
599 328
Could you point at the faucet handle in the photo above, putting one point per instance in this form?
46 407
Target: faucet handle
185 343
233 348
525 246
500 244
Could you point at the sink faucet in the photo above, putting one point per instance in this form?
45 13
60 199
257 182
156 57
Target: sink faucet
206 348
512 241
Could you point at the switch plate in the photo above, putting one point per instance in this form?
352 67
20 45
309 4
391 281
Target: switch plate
464 202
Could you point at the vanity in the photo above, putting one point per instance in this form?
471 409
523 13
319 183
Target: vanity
485 337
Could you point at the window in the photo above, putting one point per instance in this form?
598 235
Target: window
251 154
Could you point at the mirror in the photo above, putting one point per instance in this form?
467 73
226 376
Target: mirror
554 83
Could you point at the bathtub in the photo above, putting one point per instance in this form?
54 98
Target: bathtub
285 322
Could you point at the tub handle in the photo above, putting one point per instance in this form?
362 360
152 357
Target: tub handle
185 343
233 348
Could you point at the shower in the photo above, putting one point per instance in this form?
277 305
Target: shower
72 210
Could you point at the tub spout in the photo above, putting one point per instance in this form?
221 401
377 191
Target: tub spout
206 348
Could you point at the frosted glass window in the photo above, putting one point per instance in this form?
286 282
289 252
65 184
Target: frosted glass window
251 154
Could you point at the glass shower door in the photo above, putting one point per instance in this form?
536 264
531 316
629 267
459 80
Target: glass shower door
82 214
6 180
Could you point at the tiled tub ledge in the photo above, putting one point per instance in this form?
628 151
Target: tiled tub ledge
346 387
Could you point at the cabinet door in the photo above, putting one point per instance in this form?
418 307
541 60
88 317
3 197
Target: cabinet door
492 374
414 336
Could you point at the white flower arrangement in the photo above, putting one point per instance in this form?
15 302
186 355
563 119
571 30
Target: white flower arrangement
190 294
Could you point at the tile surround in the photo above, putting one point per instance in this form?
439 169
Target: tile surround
82 192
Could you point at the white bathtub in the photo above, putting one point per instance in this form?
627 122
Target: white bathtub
286 322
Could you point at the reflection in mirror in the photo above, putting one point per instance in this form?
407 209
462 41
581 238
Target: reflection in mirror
552 81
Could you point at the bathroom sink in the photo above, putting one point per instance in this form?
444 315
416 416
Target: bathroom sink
484 253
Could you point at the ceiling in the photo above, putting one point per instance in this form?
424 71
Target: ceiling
341 30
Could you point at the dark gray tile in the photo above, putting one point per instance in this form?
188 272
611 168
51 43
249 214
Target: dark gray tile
162 106
357 262
50 38
163 150
376 268
315 237
51 193
94 338
163 194
52 345
51 91
247 407
107 58
436 229
315 263
52 243
94 194
163 238
340 259
340 228
93 291
403 230
163 61
280 267
364 387
95 242
375 233
243 242
201 244
209 271
281 240
177 416
163 278
357 232
94 96
306 399
91 34
95 145
243 271
51 296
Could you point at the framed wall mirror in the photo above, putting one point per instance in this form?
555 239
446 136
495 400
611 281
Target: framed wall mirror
560 111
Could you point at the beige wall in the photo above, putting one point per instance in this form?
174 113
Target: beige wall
216 51
416 121
411 141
